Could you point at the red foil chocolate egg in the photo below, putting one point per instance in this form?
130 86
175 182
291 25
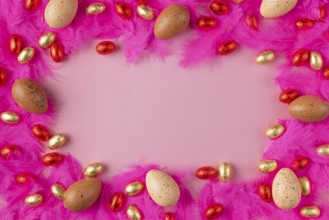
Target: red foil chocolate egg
23 178
227 47
3 76
41 132
206 23
323 12
57 52
7 150
265 193
300 163
219 7
105 47
213 211
300 57
16 44
52 159
325 73
207 172
116 201
304 23
288 95
123 10
31 4
169 216
252 22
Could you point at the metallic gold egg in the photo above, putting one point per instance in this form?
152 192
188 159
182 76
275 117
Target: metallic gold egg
225 171
267 166
275 131
310 211
47 39
134 213
305 185
93 169
145 12
9 117
323 150
56 141
316 60
26 55
57 190
96 8
265 57
33 200
134 188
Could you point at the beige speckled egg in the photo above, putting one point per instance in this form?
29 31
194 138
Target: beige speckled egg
286 189
171 21
60 13
309 108
82 194
162 188
29 95
276 8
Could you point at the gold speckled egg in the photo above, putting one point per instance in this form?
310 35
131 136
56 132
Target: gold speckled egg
134 213
93 169
145 12
323 150
225 172
265 57
47 39
26 55
310 211
267 166
56 141
276 8
305 185
60 13
34 199
316 60
134 188
275 131
57 190
9 117
96 8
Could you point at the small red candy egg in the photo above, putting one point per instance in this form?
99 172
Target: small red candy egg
252 22
123 10
325 73
105 47
57 52
142 2
52 159
323 12
206 173
219 7
116 201
207 23
16 44
41 132
227 47
6 150
265 193
288 95
3 76
304 23
23 178
300 57
31 4
169 216
300 163
213 211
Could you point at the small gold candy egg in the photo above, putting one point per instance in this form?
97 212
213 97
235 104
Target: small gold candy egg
26 55
145 12
9 117
275 131
96 8
47 39
134 188
310 211
33 200
305 185
93 169
225 171
57 190
316 61
134 213
267 166
56 141
265 57
323 150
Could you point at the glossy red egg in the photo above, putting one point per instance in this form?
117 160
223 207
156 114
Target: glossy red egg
288 95
300 163
116 201
3 76
105 47
207 23
300 57
41 132
57 52
31 4
206 173
227 47
323 12
252 22
52 159
304 23
142 1
169 216
325 73
123 10
213 211
219 7
23 178
265 193
16 44
7 150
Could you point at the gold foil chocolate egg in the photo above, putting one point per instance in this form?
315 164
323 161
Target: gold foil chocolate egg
29 95
145 12
275 131
286 190
9 117
134 213
26 55
82 194
267 166
47 39
56 141
305 185
162 188
265 57
316 60
93 169
57 190
276 8
310 211
134 188
171 21
33 199
60 13
225 172
96 8
323 150
309 108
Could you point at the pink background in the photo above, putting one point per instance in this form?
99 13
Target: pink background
157 112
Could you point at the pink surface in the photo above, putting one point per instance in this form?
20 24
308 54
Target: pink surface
155 111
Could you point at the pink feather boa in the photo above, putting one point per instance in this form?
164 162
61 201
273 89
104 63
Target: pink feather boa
240 200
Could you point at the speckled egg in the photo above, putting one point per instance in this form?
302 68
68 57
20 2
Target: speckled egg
276 8
60 13
286 190
162 188
309 108
82 194
171 21
29 95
